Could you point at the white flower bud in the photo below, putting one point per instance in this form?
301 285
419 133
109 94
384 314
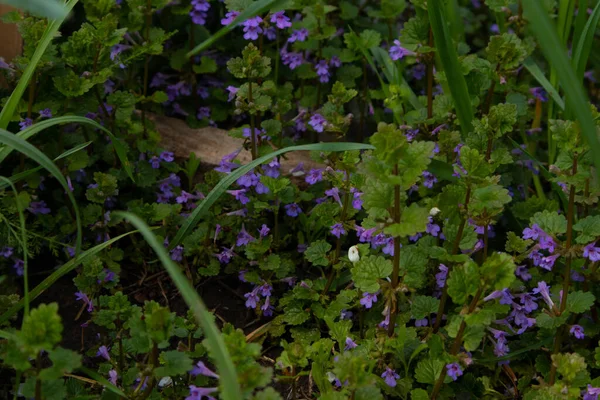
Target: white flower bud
434 211
353 255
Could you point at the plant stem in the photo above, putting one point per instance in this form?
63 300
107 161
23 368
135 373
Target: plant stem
455 247
430 79
361 128
457 343
147 62
567 272
338 246
38 382
490 94
396 270
252 133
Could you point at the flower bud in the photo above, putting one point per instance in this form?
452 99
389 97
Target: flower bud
353 255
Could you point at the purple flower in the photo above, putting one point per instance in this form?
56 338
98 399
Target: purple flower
548 262
158 80
433 229
265 290
397 52
201 369
418 71
6 252
272 168
240 195
314 176
592 393
544 290
345 314
292 210
252 28
318 122
429 179
337 230
116 50
198 12
154 162
38 207
441 276
335 193
577 331
19 267
280 20
368 299
103 352
232 92
203 112
454 371
229 17
523 272
298 35
184 197
356 199
591 252
177 253
198 393
528 302
335 62
252 299
292 59
322 70
264 231
539 93
390 376
365 235
112 376
46 113
225 256
167 156
421 322
226 164
243 238
248 180
25 123
350 344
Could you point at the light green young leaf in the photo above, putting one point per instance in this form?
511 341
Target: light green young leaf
463 282
368 270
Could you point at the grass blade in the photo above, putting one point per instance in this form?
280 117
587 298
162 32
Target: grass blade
253 10
44 8
539 76
23 244
96 376
580 20
449 59
556 54
59 273
584 44
15 97
22 175
32 130
222 186
32 152
225 366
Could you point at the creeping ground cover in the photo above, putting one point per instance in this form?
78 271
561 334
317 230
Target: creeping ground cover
438 239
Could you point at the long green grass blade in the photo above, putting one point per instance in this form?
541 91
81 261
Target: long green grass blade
584 44
23 243
256 8
7 335
15 97
22 175
539 76
449 59
580 20
44 8
32 130
105 382
222 186
59 273
556 54
228 375
32 152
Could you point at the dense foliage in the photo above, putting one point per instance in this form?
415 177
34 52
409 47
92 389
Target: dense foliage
454 257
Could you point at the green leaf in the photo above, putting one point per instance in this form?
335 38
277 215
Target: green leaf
316 253
414 220
463 282
368 270
41 330
173 363
550 322
422 306
489 199
49 34
449 60
588 228
419 394
498 271
555 52
207 66
428 370
222 186
229 383
32 152
580 302
552 223
63 361
472 337
569 364
254 9
507 50
539 76
296 315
